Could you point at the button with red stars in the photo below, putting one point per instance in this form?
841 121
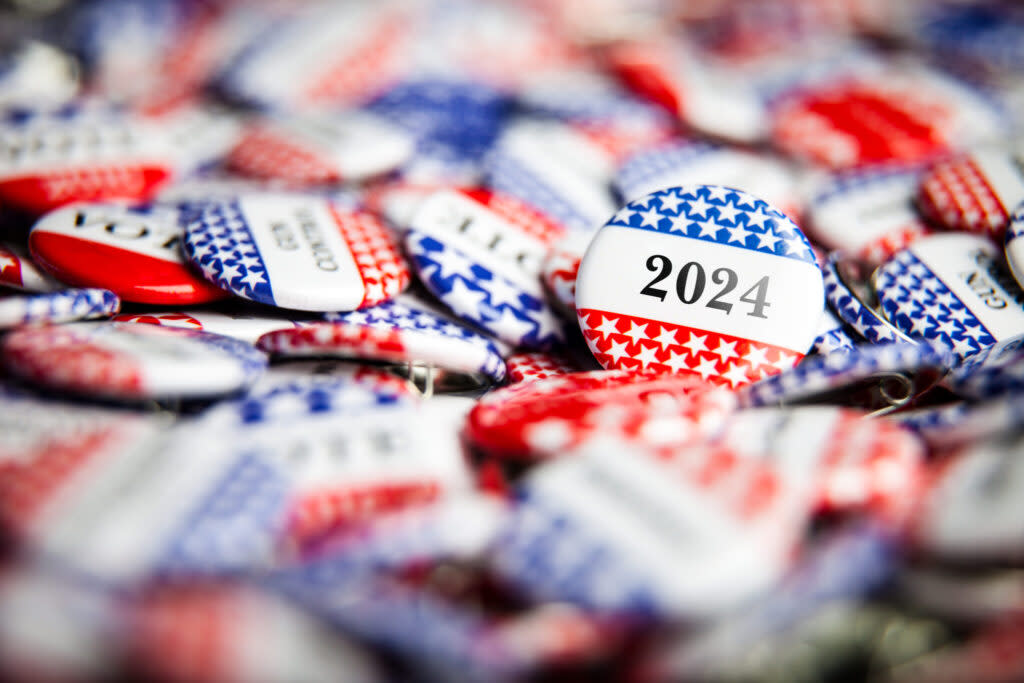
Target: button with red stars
237 323
292 251
131 362
546 418
322 148
974 192
133 252
81 154
705 280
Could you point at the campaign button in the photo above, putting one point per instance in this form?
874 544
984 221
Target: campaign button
832 335
548 418
681 164
480 253
975 192
952 288
128 361
399 331
878 377
321 148
133 252
972 508
868 213
18 271
708 280
850 295
994 371
234 323
57 307
527 366
1014 245
302 252
846 459
80 155
552 167
903 113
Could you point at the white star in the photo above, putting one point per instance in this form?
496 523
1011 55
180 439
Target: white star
650 217
727 213
230 273
670 201
503 292
725 351
356 318
510 326
646 356
756 356
706 368
718 193
708 229
7 261
963 346
975 332
547 324
738 234
636 332
463 300
948 328
757 218
767 240
252 278
920 325
607 326
667 337
680 223
785 361
698 207
617 351
623 216
678 361
736 374
696 343
451 262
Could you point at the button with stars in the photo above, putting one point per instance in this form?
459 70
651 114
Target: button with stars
57 307
400 331
292 251
951 288
126 361
974 192
133 252
481 254
1014 245
704 279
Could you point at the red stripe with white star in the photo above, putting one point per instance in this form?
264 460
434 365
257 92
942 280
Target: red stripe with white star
376 253
627 342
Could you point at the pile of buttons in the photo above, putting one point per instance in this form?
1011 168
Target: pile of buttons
512 340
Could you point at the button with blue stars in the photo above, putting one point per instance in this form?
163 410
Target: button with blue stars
306 253
954 289
701 279
401 331
851 298
832 335
57 307
481 253
1015 245
878 377
128 361
995 371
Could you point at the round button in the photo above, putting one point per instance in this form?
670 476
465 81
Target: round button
952 288
1014 245
133 252
302 252
704 280
57 307
18 271
975 192
129 361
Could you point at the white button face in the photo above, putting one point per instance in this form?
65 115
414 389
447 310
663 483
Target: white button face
481 254
705 280
295 252
951 288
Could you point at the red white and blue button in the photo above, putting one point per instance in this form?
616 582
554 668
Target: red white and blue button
302 252
710 280
57 307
